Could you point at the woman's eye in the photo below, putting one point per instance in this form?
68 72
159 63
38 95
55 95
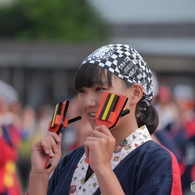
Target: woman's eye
100 89
81 91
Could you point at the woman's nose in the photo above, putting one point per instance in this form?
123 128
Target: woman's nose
90 100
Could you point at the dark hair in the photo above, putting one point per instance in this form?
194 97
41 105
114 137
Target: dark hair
147 116
90 74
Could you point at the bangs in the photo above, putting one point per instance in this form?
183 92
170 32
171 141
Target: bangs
90 74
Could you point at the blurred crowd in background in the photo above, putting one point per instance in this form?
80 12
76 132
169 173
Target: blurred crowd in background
21 126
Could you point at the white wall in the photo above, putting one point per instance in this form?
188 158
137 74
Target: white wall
146 11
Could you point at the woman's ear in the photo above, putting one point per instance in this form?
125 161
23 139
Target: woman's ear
137 93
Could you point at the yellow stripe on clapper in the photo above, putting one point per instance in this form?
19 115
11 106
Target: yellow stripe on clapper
108 106
54 115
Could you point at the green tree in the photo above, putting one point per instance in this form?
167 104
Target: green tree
57 20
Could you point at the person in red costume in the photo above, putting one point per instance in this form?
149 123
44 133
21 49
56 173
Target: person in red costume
9 141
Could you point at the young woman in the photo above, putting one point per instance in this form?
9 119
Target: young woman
124 159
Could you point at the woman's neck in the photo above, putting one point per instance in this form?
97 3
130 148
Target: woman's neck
123 129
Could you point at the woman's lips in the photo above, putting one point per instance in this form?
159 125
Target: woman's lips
92 115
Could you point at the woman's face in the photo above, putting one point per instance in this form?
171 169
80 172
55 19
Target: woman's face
89 98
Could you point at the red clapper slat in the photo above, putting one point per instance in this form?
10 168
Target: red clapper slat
58 122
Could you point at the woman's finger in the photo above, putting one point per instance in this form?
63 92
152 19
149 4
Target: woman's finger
103 129
57 153
50 143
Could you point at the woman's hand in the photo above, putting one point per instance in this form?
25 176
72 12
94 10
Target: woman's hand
99 148
50 145
39 176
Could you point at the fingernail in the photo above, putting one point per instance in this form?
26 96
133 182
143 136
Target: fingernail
51 153
47 151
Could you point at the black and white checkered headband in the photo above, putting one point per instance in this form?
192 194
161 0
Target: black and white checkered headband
126 63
